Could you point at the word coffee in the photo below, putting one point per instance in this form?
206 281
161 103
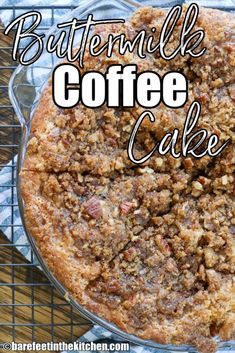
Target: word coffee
120 86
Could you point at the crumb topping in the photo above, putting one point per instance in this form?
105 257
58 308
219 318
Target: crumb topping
150 248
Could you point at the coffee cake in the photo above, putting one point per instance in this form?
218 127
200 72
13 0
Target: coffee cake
148 247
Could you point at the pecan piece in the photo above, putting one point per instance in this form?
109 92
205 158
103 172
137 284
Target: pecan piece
92 207
125 207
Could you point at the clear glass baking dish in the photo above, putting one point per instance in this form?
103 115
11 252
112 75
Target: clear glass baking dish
25 87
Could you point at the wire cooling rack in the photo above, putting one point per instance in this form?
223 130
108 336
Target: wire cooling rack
30 308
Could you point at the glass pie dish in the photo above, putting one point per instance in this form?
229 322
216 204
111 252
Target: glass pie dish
25 89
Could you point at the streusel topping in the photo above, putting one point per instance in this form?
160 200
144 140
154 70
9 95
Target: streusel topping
148 247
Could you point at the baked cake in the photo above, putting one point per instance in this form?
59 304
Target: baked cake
150 248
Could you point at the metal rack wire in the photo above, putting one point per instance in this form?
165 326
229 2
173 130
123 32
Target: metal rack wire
30 308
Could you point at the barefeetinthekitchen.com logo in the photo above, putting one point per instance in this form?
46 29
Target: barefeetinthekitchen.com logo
107 346
122 85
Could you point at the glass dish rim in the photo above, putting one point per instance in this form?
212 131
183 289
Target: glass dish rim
94 318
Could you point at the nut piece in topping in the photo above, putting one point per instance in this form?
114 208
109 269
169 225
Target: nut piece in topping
92 208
